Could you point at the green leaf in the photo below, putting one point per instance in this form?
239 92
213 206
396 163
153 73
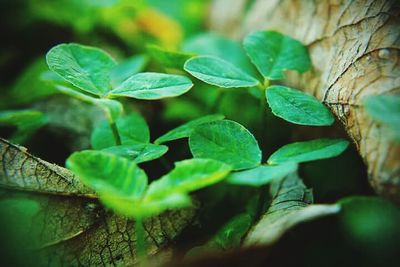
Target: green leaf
85 67
151 86
212 44
26 121
273 53
219 72
28 86
226 141
127 68
297 107
308 151
167 58
132 129
119 182
371 222
186 129
385 109
261 175
138 153
187 176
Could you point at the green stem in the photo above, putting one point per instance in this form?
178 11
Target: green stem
263 193
141 250
115 133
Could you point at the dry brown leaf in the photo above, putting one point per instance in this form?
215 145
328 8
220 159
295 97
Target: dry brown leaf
73 227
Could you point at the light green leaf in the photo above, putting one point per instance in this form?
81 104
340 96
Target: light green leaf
261 175
151 86
167 58
138 153
308 151
26 121
219 72
186 129
273 53
187 176
132 129
85 67
226 141
297 107
385 109
115 179
127 68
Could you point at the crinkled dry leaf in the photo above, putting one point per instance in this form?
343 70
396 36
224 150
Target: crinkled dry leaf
71 226
291 205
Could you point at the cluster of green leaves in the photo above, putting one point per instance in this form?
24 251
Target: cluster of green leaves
221 149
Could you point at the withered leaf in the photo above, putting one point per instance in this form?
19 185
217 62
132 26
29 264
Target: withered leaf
71 227
291 205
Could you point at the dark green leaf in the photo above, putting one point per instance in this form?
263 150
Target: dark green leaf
186 129
85 67
226 141
212 44
127 68
151 85
261 175
132 129
385 109
309 151
119 182
273 53
297 107
26 121
138 153
187 176
167 58
219 72
231 234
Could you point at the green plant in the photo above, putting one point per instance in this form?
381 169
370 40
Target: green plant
218 146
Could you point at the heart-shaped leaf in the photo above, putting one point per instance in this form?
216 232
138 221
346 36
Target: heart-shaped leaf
261 175
138 152
226 141
273 53
308 151
186 129
151 86
219 72
132 129
187 176
297 107
85 67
